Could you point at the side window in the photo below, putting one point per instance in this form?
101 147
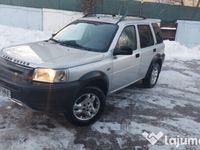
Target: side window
158 33
146 37
128 38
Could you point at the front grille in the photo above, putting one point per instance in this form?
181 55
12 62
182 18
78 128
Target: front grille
11 72
9 86
16 61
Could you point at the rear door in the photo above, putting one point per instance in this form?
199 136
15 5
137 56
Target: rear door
147 47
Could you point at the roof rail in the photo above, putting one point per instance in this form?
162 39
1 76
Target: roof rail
89 15
98 15
124 17
139 16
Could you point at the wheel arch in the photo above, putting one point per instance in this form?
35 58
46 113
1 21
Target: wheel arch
159 58
95 78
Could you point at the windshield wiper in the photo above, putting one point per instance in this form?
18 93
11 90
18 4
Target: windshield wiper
71 43
67 43
54 40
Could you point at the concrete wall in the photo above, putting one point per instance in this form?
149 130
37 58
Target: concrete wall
72 5
23 17
53 20
188 33
165 12
36 18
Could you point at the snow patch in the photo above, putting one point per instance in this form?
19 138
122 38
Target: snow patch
175 50
177 79
106 127
10 36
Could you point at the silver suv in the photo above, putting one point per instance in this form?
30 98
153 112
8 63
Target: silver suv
78 67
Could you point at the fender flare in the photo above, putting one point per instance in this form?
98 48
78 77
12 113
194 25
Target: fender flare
157 58
93 76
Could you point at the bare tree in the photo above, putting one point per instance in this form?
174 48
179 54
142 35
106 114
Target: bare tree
182 2
88 6
198 3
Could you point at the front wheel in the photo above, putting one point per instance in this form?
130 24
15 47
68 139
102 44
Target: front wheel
87 107
152 77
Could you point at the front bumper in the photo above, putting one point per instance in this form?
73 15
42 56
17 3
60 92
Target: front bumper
36 95
42 96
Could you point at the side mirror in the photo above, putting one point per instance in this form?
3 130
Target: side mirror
123 51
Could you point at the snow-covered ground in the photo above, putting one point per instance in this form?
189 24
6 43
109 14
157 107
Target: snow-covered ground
172 107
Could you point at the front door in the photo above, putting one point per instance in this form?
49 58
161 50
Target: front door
126 67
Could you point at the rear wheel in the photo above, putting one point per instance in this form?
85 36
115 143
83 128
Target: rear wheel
87 107
152 77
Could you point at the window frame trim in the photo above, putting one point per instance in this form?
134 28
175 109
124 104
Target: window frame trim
153 34
136 33
156 41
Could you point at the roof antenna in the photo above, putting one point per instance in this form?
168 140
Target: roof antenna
123 11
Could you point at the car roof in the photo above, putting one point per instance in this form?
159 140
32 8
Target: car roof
116 19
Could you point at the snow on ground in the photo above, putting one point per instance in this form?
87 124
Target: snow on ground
14 36
174 50
172 107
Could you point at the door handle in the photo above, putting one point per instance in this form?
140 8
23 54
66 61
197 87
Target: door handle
137 55
154 50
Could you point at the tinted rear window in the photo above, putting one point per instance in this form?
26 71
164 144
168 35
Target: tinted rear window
158 33
146 37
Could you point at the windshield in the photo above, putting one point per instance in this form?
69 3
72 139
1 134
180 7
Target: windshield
93 36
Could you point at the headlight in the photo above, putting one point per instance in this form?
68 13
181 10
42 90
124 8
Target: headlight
50 75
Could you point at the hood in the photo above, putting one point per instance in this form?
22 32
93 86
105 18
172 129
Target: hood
49 55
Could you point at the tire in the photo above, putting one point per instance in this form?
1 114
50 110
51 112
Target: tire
79 112
152 76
